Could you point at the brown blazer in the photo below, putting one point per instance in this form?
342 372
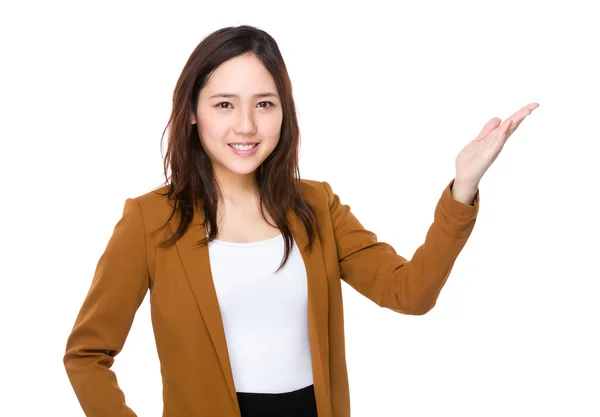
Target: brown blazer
196 373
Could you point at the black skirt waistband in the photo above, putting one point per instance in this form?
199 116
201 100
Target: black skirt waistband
298 403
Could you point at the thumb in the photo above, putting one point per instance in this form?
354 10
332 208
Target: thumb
489 126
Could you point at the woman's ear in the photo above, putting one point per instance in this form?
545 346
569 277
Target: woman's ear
193 119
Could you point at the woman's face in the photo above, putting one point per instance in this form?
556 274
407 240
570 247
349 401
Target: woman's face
239 103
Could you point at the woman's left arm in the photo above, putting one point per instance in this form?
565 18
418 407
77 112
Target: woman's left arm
412 287
375 270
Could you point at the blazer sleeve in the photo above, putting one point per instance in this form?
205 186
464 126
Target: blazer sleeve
119 286
376 271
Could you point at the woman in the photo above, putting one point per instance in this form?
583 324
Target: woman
244 260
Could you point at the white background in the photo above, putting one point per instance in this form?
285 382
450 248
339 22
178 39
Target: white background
387 95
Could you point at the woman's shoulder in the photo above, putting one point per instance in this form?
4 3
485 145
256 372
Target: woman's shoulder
157 196
313 189
155 205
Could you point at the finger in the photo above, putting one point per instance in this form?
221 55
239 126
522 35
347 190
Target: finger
489 126
516 124
520 116
516 118
526 109
505 126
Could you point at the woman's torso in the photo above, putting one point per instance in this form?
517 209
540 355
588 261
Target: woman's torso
244 223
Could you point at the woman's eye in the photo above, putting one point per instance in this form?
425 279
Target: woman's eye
267 102
270 104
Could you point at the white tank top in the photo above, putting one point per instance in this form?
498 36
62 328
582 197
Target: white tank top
265 315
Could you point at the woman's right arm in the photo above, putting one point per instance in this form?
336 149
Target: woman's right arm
118 288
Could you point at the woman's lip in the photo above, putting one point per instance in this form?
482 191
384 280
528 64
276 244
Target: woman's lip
245 152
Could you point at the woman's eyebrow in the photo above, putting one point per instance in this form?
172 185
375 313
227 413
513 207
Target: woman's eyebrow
229 95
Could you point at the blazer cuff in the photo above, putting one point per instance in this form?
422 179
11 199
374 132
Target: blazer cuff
456 209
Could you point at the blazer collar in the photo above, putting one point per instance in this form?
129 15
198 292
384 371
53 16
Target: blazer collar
195 261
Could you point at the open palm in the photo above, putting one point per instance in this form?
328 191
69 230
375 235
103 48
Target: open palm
475 158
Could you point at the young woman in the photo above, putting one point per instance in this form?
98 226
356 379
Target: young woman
244 260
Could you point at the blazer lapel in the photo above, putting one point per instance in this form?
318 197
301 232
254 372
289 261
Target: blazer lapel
196 264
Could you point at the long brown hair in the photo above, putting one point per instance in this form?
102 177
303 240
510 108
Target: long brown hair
192 180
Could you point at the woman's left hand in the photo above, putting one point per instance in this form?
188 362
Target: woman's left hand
475 158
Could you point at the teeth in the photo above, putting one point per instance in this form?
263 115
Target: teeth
243 147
